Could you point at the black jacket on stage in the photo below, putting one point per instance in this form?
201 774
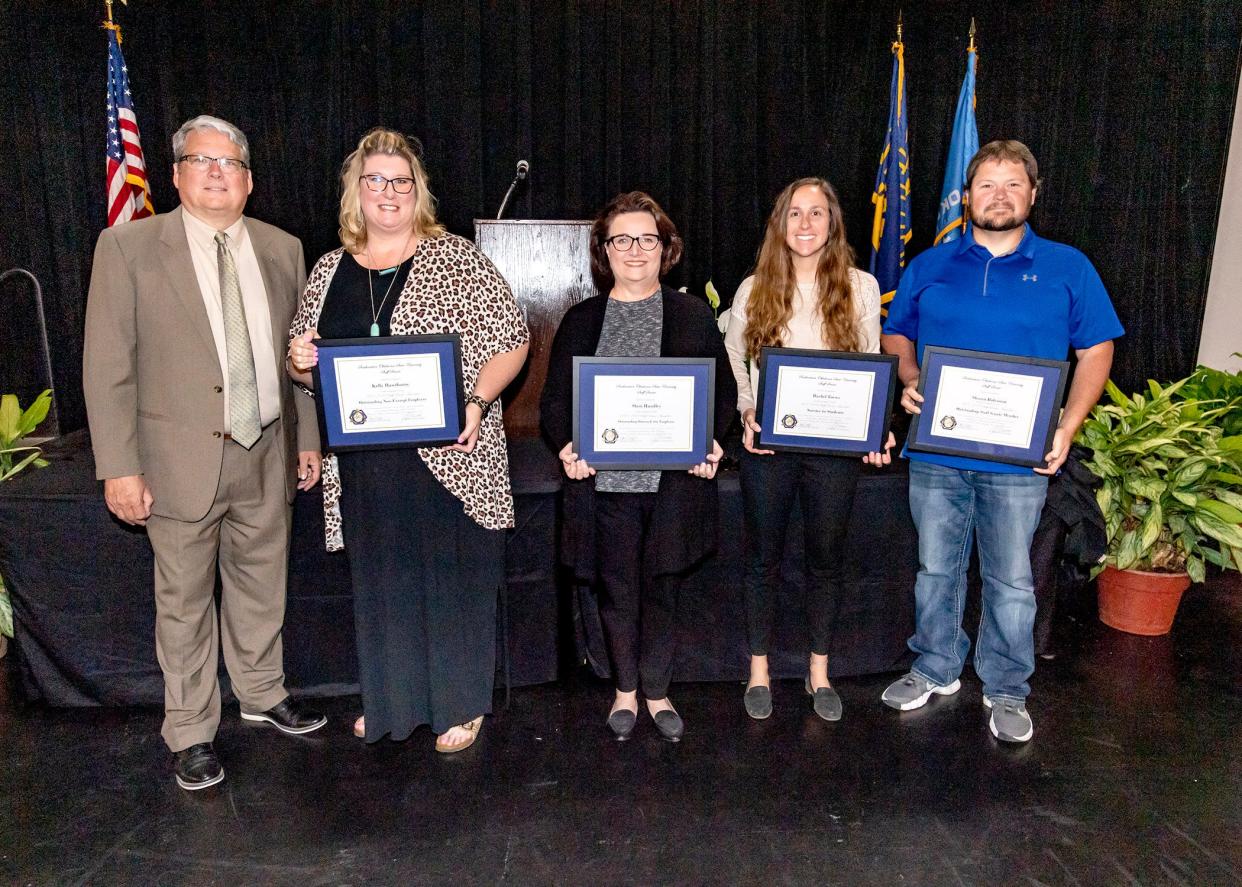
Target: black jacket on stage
684 522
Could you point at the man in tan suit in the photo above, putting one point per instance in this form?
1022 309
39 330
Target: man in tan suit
199 435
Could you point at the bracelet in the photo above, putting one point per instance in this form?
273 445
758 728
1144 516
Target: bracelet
479 402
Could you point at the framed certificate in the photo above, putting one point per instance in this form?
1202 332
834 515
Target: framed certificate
643 412
389 391
831 402
988 406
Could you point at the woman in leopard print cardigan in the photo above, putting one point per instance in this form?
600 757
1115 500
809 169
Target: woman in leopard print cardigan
425 527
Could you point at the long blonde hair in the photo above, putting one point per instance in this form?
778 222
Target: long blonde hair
353 228
771 297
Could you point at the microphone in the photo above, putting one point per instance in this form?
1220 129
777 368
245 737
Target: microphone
523 170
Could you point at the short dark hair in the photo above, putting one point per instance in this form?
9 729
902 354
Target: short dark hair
631 202
1004 149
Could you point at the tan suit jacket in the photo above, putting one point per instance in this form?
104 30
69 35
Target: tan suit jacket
151 372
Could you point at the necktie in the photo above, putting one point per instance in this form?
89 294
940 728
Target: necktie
244 422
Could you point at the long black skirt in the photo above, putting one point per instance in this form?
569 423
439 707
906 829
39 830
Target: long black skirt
425 583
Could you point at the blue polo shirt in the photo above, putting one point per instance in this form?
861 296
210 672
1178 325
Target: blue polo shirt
1038 301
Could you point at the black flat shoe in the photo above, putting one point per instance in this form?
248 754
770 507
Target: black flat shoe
197 767
758 702
288 717
825 701
670 725
621 722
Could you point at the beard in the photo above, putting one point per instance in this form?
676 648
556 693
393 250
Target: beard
1001 220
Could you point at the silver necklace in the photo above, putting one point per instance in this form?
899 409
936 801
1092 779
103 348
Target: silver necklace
375 313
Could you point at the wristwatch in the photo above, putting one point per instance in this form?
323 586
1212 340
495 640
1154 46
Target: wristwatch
479 402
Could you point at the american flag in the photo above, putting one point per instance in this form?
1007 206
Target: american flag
129 196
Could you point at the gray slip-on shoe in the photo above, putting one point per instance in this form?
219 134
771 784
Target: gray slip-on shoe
758 702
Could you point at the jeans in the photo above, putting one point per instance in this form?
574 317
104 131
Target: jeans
949 506
824 485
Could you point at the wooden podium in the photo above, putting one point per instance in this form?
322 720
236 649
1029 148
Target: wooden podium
548 265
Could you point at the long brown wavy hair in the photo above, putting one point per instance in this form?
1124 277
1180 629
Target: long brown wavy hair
771 297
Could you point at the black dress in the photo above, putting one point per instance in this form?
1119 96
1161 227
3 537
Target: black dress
425 576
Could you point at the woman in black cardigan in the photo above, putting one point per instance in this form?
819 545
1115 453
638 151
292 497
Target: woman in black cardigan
635 533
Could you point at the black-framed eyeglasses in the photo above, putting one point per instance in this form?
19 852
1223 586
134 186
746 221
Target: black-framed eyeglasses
622 242
401 184
202 162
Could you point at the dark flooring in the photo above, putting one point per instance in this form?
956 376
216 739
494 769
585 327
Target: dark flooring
1134 777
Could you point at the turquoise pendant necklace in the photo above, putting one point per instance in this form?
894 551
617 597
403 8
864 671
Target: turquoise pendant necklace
375 312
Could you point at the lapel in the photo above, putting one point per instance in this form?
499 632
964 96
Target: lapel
671 334
276 287
179 266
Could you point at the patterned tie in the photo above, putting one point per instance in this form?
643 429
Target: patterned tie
243 387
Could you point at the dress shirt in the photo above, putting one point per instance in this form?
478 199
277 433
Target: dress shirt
254 297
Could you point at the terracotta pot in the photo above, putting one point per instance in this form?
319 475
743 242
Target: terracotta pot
1138 601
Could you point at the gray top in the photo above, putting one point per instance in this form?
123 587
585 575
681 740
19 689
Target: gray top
631 329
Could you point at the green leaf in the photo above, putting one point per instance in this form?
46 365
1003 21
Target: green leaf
1215 557
1234 499
1223 510
1104 498
1170 451
713 297
1191 471
1147 487
1230 534
1196 568
1115 395
1231 443
1185 498
1151 527
35 413
6 613
1226 477
22 464
10 414
1128 551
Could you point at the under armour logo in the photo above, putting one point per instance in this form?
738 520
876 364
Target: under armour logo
1030 277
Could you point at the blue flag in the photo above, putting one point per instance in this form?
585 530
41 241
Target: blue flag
962 147
890 232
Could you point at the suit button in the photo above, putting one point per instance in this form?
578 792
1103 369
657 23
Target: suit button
217 389
215 434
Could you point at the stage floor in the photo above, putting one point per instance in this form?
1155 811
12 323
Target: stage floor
1133 777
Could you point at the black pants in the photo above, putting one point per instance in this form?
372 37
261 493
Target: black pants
637 606
825 486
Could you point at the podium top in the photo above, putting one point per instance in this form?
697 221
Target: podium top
478 222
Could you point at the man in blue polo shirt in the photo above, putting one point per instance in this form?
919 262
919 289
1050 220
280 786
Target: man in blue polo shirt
1003 289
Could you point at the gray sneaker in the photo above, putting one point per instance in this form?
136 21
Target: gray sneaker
1010 721
914 690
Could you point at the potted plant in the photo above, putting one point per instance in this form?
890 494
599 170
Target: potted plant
1171 496
16 424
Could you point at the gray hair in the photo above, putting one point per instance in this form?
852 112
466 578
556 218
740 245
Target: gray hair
206 121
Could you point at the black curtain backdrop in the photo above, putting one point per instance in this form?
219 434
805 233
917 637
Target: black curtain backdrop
710 106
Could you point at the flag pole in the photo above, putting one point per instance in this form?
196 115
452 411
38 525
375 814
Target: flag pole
110 25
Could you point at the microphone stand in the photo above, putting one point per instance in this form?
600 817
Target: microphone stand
517 179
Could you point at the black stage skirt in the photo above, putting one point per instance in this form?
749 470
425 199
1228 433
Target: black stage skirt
425 583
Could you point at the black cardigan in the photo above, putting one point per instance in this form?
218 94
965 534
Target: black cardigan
684 521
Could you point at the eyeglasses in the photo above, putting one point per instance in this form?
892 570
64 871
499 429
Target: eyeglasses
622 242
401 184
202 162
